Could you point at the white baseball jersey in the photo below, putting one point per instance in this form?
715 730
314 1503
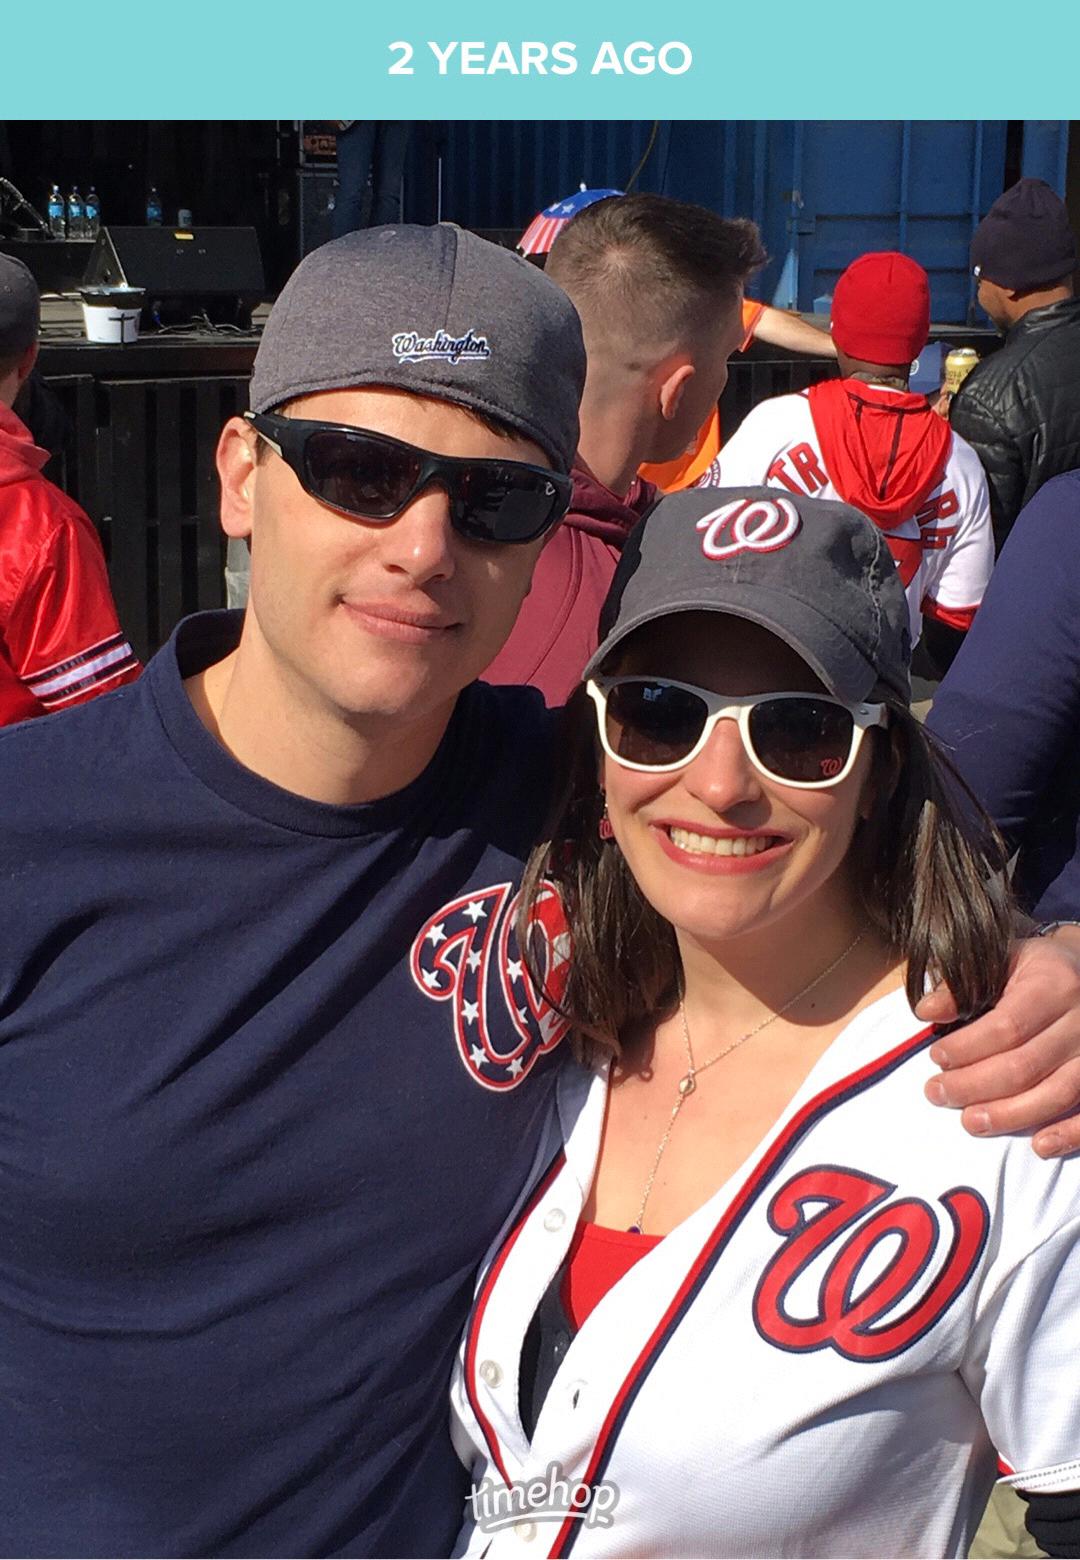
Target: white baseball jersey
944 550
827 1358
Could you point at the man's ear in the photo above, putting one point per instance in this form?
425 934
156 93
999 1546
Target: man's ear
238 472
672 388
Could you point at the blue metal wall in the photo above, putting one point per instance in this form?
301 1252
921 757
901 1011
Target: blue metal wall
822 192
917 186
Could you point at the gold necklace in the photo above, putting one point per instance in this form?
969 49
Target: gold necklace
688 1081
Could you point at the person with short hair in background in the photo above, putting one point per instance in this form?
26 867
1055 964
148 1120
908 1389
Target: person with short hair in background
658 284
60 639
1019 408
761 322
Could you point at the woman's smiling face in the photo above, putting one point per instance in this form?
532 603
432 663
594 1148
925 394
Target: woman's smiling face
718 848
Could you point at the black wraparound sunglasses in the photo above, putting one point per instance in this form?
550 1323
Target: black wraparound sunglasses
370 476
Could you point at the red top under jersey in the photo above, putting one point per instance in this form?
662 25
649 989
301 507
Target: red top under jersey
598 1258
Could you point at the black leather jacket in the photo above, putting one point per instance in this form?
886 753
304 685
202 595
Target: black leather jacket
1020 408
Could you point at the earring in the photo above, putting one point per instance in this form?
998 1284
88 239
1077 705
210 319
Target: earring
605 831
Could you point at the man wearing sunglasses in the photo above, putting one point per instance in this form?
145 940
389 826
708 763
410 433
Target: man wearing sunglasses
272 1076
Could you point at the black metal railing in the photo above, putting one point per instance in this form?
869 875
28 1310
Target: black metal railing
141 463
141 460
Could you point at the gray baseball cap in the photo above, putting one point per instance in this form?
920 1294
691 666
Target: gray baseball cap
436 311
20 307
817 574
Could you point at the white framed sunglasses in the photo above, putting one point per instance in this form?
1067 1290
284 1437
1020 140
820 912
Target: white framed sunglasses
656 725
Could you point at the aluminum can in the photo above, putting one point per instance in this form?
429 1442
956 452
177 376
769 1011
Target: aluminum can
958 365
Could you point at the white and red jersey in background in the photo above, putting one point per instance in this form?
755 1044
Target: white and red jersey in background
888 453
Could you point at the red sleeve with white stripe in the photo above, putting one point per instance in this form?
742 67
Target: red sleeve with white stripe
63 636
958 541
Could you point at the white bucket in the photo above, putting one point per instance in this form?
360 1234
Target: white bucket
112 314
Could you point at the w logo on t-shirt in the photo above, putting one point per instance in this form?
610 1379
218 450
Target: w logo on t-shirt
467 955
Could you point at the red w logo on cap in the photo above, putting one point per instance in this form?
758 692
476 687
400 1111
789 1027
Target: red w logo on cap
749 525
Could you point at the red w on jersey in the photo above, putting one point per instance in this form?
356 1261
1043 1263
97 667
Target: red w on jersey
60 639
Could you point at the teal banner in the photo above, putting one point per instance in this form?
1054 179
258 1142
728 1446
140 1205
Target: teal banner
837 59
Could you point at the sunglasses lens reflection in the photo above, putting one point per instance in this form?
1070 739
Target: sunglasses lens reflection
364 477
653 723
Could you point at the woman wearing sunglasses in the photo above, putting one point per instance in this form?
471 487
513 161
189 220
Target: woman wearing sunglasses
763 1299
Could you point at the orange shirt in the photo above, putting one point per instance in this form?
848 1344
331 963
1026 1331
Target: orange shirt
692 464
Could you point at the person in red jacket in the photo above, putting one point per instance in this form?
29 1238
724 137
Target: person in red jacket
658 284
60 640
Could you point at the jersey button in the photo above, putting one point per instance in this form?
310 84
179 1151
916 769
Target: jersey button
554 1219
490 1373
526 1531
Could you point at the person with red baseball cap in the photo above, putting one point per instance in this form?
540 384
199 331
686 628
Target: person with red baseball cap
866 439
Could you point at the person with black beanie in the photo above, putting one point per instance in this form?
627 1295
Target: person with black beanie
1020 407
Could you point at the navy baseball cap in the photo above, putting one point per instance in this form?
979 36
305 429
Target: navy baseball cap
20 307
817 574
436 311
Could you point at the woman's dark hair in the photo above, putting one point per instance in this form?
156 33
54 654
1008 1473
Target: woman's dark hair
927 864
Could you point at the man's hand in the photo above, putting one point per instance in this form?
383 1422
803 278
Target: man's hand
1018 1067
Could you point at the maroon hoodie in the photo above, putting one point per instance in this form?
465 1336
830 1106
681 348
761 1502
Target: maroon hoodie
555 632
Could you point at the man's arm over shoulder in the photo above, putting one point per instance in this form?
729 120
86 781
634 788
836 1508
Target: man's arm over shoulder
62 633
975 417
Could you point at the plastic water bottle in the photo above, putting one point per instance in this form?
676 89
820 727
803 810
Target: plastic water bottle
76 214
57 224
93 212
153 207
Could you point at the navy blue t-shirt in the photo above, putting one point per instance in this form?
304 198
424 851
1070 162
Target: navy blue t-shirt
270 1082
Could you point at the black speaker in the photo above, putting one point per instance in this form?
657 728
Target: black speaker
56 264
185 272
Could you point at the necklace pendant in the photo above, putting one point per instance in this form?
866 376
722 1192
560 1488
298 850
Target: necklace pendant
635 1229
687 1085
